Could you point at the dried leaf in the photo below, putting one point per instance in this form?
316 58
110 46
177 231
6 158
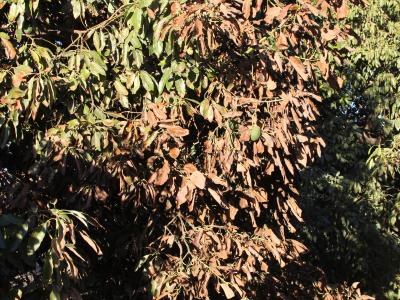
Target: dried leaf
176 131
229 294
90 242
343 10
198 179
299 67
10 50
271 14
246 8
215 195
174 152
162 174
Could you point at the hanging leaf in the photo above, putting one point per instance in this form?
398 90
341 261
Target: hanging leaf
342 11
36 238
299 67
229 294
122 91
198 179
180 87
10 50
90 242
54 295
147 81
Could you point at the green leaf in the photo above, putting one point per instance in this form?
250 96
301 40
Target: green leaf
145 3
96 41
136 85
147 81
136 19
76 8
124 101
122 91
54 295
19 236
157 47
96 69
204 107
164 79
36 238
180 87
255 133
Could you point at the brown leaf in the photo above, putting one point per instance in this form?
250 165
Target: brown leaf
174 152
246 8
162 174
282 42
215 195
289 166
330 34
302 138
217 180
151 13
90 242
243 203
17 79
264 267
189 168
181 196
72 267
232 212
100 194
199 27
229 294
176 131
258 5
198 179
175 7
57 248
271 14
10 50
343 10
73 250
298 66
271 85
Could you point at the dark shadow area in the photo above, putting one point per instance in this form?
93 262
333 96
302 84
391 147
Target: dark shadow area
345 210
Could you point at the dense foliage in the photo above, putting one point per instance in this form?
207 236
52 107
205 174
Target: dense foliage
351 197
152 149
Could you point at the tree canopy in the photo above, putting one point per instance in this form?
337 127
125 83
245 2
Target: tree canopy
199 149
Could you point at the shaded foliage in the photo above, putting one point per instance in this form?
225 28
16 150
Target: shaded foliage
354 190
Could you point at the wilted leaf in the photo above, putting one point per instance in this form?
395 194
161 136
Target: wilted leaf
342 10
246 8
174 153
229 294
177 131
162 174
90 242
215 195
198 179
10 50
298 66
